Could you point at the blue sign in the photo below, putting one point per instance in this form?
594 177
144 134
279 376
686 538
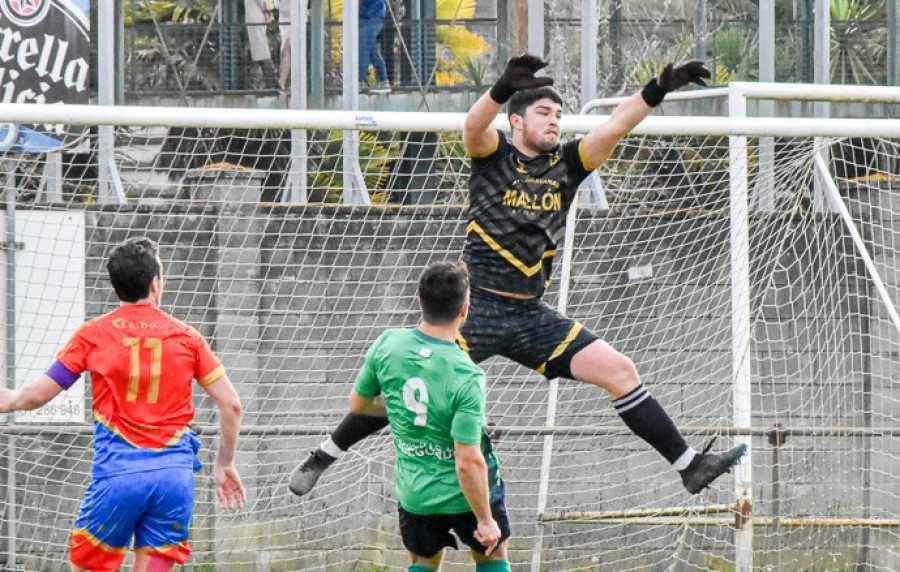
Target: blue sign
21 139
44 52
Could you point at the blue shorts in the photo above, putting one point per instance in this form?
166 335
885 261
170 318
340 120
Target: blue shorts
152 508
427 534
529 332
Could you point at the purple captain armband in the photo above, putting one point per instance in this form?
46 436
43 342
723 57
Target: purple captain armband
62 375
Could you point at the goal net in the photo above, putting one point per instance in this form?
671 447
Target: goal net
756 308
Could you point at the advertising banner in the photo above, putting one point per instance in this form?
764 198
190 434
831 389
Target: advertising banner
45 48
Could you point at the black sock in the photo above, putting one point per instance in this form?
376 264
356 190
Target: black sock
647 419
355 427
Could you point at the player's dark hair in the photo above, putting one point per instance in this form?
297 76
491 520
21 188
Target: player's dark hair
132 265
521 100
443 289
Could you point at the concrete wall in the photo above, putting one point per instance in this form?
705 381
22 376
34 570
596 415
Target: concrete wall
291 297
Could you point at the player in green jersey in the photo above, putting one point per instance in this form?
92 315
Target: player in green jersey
433 394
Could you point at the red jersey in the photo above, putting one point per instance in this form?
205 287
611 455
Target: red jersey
142 363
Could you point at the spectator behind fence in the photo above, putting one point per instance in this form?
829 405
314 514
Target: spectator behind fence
395 12
371 21
257 14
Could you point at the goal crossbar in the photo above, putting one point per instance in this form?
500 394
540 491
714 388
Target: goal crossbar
430 122
773 91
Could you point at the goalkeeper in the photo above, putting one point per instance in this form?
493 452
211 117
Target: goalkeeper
520 191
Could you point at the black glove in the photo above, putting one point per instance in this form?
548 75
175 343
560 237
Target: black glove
518 75
674 77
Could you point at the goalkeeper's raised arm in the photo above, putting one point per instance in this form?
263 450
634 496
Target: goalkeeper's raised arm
600 142
478 137
521 74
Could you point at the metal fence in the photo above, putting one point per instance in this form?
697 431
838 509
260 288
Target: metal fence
438 54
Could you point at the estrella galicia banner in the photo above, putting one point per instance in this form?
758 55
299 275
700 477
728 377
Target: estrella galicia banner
45 48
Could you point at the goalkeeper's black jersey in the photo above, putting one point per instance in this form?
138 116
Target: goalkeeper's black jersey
517 215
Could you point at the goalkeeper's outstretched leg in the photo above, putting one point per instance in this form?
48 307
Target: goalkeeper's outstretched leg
599 364
707 467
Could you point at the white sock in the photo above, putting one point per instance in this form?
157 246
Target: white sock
329 448
685 459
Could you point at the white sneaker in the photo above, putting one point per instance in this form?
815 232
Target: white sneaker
382 87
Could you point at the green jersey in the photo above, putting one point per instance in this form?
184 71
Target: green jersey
434 396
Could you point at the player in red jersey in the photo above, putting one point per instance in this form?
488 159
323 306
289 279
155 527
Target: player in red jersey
142 363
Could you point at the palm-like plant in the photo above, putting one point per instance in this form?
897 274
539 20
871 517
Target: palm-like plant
857 51
458 49
167 60
326 182
736 52
649 69
184 11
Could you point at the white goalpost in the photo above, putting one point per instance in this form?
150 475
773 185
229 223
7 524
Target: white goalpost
748 266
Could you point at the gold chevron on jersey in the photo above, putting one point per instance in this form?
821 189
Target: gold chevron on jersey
509 256
562 347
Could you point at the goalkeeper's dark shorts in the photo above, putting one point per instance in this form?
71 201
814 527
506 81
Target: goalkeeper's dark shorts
528 332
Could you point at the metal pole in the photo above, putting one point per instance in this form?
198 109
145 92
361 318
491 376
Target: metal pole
11 516
350 55
227 43
776 439
701 30
544 483
740 331
110 186
588 51
298 43
592 187
765 182
806 40
701 33
766 41
299 160
893 34
518 430
615 43
316 53
517 14
120 53
821 74
553 397
536 27
413 32
798 27
429 42
728 521
822 43
354 186
503 42
865 333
